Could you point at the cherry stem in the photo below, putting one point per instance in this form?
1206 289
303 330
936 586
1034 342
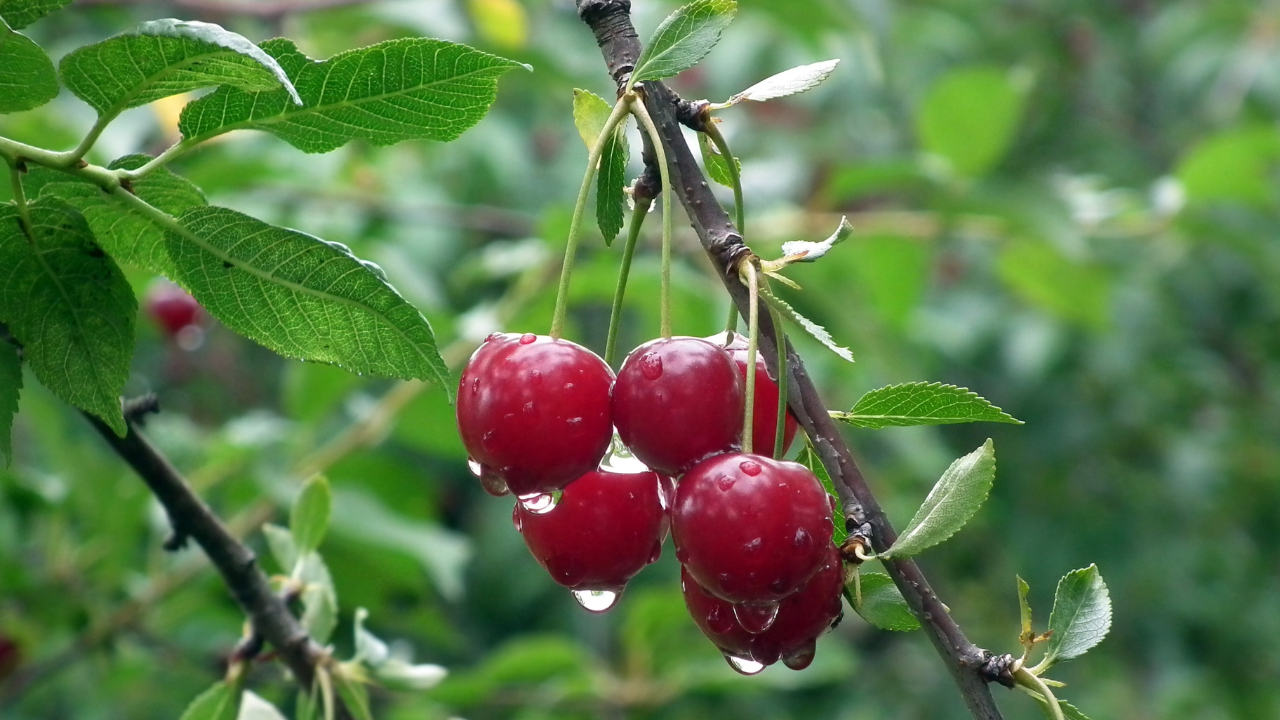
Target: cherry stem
731 166
753 336
731 324
1028 680
615 315
642 114
579 208
780 433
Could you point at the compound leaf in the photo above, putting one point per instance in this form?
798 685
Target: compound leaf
10 385
818 332
220 702
883 605
1081 615
684 38
21 13
413 88
168 57
301 296
788 82
953 500
922 403
27 77
69 306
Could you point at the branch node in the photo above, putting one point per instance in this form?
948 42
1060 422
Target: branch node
997 668
693 114
136 409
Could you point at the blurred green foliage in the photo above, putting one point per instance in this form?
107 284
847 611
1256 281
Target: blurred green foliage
1070 208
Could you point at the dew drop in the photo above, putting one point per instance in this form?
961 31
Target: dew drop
651 366
475 467
596 601
719 620
573 421
517 519
725 482
475 386
538 503
801 657
750 467
753 545
743 666
493 483
493 336
530 409
528 338
620 460
755 619
568 387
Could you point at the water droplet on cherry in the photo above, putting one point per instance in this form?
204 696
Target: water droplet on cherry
596 601
743 666
755 619
475 467
725 482
719 621
651 366
538 503
528 338
750 467
802 657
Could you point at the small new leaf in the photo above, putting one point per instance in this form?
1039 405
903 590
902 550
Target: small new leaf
168 57
804 251
953 500
301 296
280 543
809 458
788 82
883 605
684 38
220 702
69 306
1081 615
27 77
590 115
1024 612
717 167
10 386
922 403
309 519
21 13
818 332
413 88
319 598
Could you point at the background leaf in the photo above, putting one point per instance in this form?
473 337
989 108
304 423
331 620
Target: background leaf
1236 165
319 597
10 385
167 57
1077 292
354 695
27 77
970 116
953 500
788 82
309 519
301 296
714 162
883 605
1081 615
69 305
683 38
386 93
21 13
922 403
220 702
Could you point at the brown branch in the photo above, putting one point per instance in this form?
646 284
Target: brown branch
610 21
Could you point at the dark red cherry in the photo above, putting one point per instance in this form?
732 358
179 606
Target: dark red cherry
172 308
534 412
677 401
764 412
604 529
751 529
801 618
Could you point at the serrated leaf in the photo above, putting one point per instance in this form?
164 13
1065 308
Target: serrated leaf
220 702
1024 608
10 386
168 57
1069 711
953 500
788 82
319 597
129 236
717 167
27 77
309 519
683 38
280 543
883 605
301 296
808 457
413 88
1081 615
805 251
69 306
815 330
254 707
610 181
354 695
21 13
922 403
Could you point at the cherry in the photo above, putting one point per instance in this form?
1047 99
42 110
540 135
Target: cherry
604 529
678 400
751 529
172 308
533 412
801 618
764 412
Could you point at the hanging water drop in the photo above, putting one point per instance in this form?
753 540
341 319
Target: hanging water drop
743 666
596 601
620 460
755 619
475 467
539 503
802 657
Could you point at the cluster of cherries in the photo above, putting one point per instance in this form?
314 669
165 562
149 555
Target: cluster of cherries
760 574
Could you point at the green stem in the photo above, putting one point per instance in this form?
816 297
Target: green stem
172 152
753 337
615 315
1025 678
71 158
579 209
20 199
780 433
731 323
731 165
646 122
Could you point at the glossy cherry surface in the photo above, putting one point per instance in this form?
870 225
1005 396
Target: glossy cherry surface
751 529
764 411
677 401
534 411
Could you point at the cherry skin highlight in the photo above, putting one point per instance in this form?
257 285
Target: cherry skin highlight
534 411
764 412
677 401
751 529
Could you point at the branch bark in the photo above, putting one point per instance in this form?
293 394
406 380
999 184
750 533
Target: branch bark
610 21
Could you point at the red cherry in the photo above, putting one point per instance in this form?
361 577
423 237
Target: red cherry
801 618
172 308
534 411
604 529
749 528
678 400
764 412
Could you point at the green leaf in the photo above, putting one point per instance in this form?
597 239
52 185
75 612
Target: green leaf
1081 615
319 597
301 296
1024 608
892 272
953 500
788 82
280 543
220 702
807 251
27 77
21 13
1073 291
354 695
684 38
970 116
808 457
254 707
818 332
714 162
1237 165
168 57
308 704
883 605
922 403
396 90
69 306
10 385
590 114
131 237
1069 711
309 519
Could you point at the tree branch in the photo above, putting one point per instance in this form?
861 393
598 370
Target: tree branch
610 21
